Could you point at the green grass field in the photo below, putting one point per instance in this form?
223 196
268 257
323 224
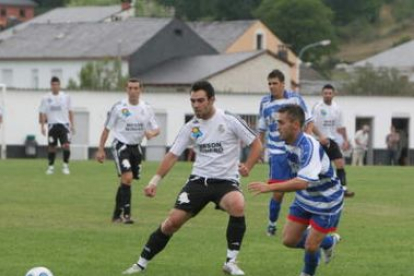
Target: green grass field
63 223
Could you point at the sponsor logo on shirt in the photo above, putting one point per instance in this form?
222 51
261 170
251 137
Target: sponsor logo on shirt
211 147
134 127
125 112
196 132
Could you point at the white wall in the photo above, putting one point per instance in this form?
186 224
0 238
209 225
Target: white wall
21 112
244 76
23 76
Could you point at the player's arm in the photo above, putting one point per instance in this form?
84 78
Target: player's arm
322 138
254 156
149 134
291 185
100 154
167 163
72 125
42 122
342 132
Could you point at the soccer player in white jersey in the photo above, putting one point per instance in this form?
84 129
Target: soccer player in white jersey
216 136
56 112
130 120
319 194
268 128
328 120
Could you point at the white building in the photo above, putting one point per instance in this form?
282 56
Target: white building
21 117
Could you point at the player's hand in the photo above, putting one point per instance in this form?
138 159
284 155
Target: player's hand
100 156
345 145
72 130
243 170
150 190
324 140
258 187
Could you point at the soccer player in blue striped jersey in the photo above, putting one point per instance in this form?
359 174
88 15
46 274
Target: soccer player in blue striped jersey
269 130
319 195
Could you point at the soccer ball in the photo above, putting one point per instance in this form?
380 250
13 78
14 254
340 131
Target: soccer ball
39 271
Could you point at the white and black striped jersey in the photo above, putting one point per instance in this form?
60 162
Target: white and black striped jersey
328 118
128 123
56 108
216 142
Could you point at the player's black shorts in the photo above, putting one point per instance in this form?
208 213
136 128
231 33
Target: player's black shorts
333 150
199 191
58 132
128 158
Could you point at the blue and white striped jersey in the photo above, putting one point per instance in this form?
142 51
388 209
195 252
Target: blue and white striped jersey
268 119
308 161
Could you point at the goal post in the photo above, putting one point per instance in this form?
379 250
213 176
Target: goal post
3 151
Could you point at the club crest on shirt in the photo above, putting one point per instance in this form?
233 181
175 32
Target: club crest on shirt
125 112
196 132
323 112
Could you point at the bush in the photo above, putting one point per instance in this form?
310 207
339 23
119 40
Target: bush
380 82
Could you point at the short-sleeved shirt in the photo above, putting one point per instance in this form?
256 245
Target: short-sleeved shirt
216 142
56 108
308 161
128 123
328 119
268 119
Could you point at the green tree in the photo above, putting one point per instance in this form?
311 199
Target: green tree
350 10
381 82
105 74
93 2
212 9
299 23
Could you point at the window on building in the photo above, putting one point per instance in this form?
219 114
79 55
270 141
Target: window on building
35 78
22 13
7 77
259 41
57 73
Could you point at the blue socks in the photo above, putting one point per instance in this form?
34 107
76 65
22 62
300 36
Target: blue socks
274 210
311 262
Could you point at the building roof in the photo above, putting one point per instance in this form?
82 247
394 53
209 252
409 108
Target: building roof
18 3
400 56
81 40
187 70
308 73
67 15
221 35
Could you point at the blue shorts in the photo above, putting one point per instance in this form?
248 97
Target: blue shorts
279 168
321 223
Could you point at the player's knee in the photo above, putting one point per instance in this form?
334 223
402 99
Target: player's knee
170 226
127 178
66 146
290 242
238 209
311 246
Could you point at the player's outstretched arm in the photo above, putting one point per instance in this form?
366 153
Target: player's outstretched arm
149 134
166 164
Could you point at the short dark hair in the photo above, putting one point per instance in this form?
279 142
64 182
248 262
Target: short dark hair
294 113
55 79
135 80
203 85
328 86
276 74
